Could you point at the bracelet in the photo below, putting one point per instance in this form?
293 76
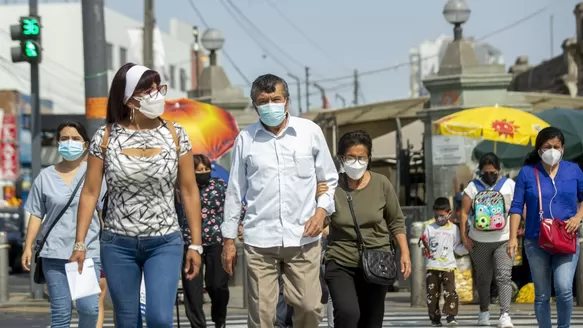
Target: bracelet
79 247
197 248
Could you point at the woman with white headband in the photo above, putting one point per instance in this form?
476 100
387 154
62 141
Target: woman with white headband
142 158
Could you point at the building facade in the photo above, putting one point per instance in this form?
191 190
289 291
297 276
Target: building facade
425 59
61 70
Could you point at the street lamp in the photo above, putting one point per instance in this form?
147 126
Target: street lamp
213 40
456 12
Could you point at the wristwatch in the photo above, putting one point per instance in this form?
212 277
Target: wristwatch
197 248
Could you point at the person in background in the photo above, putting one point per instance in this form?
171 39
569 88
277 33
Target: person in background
143 158
49 194
561 188
277 163
488 200
358 303
439 242
212 200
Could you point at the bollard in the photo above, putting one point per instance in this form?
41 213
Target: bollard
418 297
4 295
579 273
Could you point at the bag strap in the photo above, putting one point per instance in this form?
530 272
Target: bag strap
479 185
172 129
44 240
500 183
540 197
105 140
353 214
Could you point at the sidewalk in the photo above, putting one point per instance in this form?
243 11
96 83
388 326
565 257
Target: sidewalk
395 302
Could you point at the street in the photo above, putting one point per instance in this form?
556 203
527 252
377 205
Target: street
412 318
35 314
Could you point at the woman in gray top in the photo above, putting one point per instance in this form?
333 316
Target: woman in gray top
49 194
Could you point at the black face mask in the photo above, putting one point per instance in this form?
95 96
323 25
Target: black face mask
202 179
490 178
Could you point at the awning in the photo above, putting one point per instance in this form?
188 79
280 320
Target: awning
377 119
542 101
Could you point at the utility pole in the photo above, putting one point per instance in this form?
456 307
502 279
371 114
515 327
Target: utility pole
95 63
307 89
552 34
149 22
339 97
196 49
322 92
356 86
299 84
36 290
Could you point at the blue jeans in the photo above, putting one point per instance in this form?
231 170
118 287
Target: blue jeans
60 295
160 258
543 265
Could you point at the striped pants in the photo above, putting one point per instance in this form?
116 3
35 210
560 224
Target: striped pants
486 256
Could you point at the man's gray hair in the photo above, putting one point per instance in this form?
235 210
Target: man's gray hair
267 83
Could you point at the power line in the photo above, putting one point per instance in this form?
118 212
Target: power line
301 32
263 36
224 51
255 40
403 64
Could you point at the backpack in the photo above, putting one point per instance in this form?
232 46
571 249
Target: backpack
104 143
489 207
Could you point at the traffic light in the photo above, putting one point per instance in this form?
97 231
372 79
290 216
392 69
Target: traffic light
28 33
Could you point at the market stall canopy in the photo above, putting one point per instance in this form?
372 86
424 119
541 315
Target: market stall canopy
498 124
567 120
212 130
377 118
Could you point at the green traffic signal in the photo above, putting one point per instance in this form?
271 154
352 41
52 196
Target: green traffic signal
30 49
30 26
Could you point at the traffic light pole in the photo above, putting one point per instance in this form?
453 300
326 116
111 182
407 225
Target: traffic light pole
36 290
94 46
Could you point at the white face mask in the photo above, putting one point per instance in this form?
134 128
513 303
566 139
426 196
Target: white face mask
552 156
152 107
355 170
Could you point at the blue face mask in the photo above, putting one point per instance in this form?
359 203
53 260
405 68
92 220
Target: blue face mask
272 114
71 150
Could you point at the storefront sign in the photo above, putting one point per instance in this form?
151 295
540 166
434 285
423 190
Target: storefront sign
8 147
448 150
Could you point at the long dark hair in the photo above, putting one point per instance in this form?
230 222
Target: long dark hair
117 111
543 136
77 126
489 159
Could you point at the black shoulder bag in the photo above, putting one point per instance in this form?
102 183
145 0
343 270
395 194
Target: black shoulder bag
378 266
39 276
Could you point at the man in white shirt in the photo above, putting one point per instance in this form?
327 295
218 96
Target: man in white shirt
276 165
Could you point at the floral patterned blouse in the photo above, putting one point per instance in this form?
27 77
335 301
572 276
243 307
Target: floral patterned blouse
212 200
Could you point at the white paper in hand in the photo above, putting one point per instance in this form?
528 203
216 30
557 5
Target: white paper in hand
82 284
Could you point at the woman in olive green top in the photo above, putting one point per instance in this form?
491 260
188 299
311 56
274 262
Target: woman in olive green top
357 303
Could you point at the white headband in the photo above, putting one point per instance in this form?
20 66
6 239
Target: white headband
133 76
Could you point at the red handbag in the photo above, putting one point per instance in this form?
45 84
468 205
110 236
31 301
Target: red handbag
553 236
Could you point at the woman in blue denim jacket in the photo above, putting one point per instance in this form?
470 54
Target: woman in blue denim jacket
561 185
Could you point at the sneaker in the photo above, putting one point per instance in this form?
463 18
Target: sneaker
451 321
505 322
484 319
436 323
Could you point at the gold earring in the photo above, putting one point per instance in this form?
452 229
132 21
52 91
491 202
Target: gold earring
132 115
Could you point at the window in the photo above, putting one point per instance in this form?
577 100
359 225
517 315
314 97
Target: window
183 78
109 56
172 76
123 56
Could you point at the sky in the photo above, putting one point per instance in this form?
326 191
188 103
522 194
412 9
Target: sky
344 35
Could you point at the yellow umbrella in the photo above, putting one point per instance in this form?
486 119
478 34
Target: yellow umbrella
498 124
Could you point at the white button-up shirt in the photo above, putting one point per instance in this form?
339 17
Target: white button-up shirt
277 176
